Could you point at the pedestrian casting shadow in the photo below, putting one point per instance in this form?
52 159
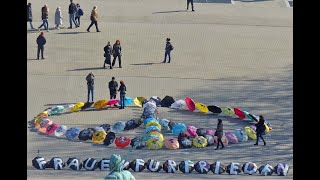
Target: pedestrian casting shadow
71 32
170 11
212 1
144 64
252 0
29 59
87 69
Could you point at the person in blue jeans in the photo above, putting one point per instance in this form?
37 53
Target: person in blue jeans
122 90
44 17
72 14
90 85
168 50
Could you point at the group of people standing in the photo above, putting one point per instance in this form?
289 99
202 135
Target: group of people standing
75 12
260 130
113 89
115 51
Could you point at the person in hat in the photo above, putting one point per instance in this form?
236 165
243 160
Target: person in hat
260 130
72 13
168 50
219 134
117 53
90 85
44 17
113 86
58 18
188 2
107 54
29 15
41 41
94 19
122 90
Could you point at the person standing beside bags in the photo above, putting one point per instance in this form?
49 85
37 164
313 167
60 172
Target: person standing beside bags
219 134
90 85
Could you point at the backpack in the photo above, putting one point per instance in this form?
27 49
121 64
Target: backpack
171 47
80 12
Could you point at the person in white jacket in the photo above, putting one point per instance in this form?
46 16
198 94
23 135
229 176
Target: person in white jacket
58 17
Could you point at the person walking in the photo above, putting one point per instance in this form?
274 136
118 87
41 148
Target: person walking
79 13
123 91
113 86
188 2
219 134
41 41
260 129
72 13
44 17
168 50
58 18
94 19
107 54
29 15
90 84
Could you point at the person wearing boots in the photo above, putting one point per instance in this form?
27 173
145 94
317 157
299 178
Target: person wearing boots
107 54
260 129
117 53
188 2
219 134
168 50
29 15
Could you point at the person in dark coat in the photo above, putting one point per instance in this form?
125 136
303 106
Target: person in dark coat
79 13
90 85
41 41
113 86
107 54
44 17
122 90
188 2
29 15
72 13
260 129
168 50
117 53
219 134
